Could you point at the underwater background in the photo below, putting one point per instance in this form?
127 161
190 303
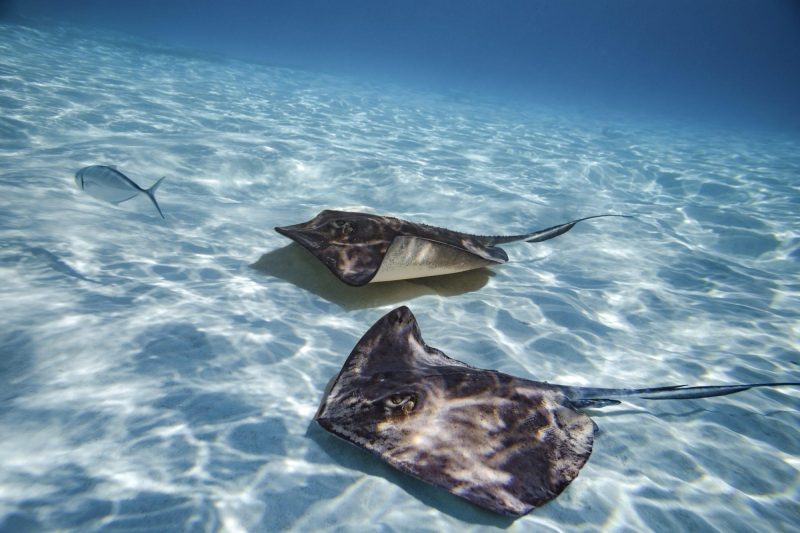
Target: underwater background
163 374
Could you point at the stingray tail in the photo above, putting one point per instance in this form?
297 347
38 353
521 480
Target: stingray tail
548 233
596 397
151 192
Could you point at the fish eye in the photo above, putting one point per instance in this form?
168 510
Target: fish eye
397 400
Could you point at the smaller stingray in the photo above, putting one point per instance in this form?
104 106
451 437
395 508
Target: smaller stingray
111 185
360 248
504 443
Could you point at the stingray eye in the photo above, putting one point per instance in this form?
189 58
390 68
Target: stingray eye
343 225
406 403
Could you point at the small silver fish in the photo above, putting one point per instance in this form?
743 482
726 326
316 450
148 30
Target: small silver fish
111 185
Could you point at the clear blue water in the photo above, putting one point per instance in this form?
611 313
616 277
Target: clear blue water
163 374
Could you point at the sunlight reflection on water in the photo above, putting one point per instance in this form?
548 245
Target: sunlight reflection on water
164 374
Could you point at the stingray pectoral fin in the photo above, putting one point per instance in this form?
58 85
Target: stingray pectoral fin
513 471
355 265
547 457
411 256
489 253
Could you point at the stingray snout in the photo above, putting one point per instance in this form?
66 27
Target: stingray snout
302 234
401 315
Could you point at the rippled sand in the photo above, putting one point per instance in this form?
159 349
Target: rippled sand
163 375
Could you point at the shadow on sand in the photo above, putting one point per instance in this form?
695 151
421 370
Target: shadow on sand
294 264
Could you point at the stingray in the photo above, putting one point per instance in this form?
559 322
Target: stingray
360 248
504 443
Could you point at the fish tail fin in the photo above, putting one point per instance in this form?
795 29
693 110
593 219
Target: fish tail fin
595 397
151 192
547 233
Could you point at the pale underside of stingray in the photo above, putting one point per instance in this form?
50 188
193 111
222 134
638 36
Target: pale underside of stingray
361 248
504 443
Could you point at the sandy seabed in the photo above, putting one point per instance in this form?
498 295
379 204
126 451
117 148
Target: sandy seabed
163 374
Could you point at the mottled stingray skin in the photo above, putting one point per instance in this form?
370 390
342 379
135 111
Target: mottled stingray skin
354 245
504 443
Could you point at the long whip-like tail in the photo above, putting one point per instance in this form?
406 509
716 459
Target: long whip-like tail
545 234
599 397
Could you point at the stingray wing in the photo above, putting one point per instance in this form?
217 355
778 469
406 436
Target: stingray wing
351 245
355 265
354 246
471 244
505 444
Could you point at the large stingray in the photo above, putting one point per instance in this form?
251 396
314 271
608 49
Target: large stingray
504 443
360 248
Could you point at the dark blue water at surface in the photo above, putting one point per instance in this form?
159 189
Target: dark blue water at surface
735 62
